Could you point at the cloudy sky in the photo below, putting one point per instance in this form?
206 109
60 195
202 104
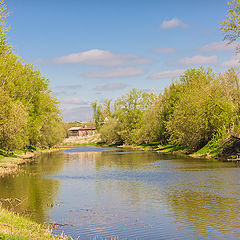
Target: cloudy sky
95 50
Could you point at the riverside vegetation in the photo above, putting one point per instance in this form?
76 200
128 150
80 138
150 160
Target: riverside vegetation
29 119
29 115
197 113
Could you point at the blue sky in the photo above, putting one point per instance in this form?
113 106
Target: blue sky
95 50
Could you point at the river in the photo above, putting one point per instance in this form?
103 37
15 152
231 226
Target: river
99 193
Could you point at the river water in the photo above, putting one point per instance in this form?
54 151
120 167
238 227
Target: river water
99 193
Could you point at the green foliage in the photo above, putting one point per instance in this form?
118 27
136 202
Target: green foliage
13 123
129 110
97 114
28 111
201 110
110 132
153 127
15 227
214 146
52 132
4 47
231 26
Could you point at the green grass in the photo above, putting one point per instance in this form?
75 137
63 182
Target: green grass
13 237
159 148
212 148
172 148
14 226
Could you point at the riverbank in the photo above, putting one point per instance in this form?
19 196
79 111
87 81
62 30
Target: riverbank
12 225
227 150
16 227
10 162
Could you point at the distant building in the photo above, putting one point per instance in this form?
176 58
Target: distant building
81 131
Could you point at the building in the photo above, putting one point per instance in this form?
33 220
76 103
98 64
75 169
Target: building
81 131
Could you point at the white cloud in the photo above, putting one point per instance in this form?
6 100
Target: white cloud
195 60
166 74
165 50
219 46
233 61
173 23
77 101
110 87
77 114
66 93
104 58
68 86
116 73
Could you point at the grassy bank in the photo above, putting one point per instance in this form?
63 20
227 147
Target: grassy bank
13 226
16 227
157 148
10 162
224 150
227 149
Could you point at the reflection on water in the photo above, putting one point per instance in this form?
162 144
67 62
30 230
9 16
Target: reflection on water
31 187
132 195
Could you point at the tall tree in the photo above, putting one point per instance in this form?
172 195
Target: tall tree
129 109
202 109
97 114
26 103
231 25
13 123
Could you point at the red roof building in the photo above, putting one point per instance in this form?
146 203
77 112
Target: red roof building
81 131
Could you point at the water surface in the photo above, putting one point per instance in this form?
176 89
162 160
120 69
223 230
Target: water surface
100 193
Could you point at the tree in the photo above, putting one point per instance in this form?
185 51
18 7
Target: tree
110 132
231 26
4 46
153 124
202 109
129 109
13 123
106 109
52 132
26 104
230 84
97 114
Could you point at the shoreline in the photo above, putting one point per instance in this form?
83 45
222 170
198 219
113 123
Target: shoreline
16 226
169 149
156 147
9 164
172 149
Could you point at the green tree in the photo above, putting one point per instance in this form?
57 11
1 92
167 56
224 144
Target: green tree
153 124
202 109
13 123
129 109
27 105
231 25
97 114
230 85
106 109
52 132
110 132
4 46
